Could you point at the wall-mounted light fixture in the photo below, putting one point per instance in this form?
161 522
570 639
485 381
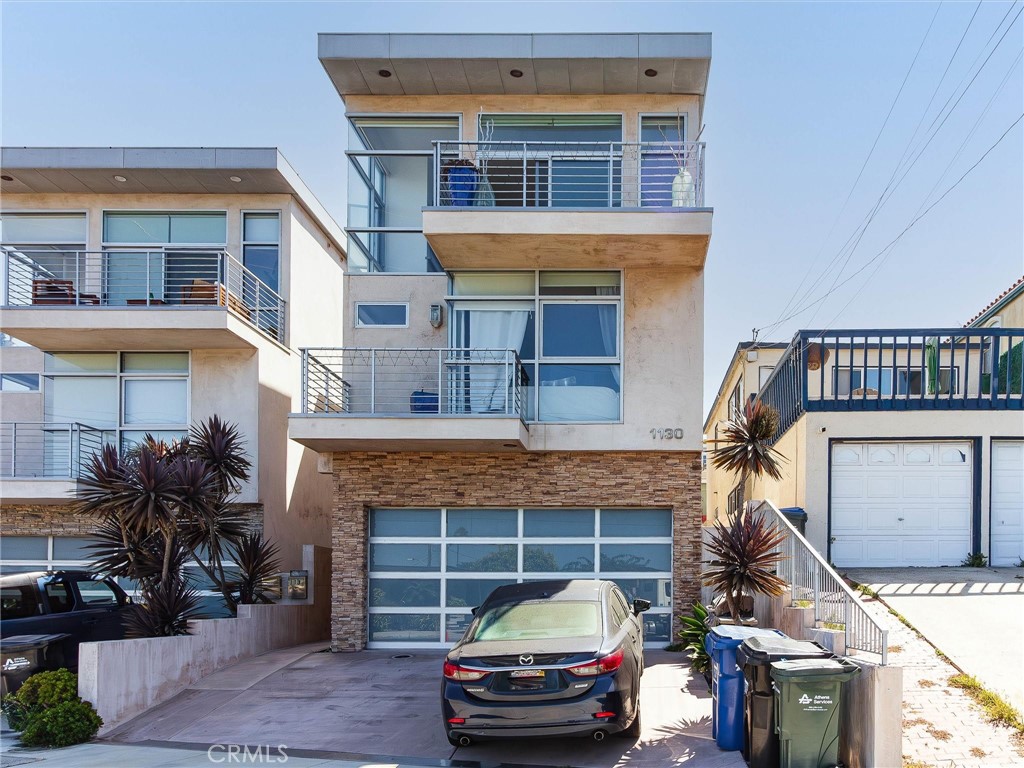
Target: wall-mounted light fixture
436 315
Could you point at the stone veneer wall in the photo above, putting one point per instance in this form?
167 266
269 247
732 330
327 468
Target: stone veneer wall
364 480
61 520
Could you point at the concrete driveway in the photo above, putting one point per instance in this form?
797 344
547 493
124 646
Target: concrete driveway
973 615
379 704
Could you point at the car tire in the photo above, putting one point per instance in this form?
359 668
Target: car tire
633 731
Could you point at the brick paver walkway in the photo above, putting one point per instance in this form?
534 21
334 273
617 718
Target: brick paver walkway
942 726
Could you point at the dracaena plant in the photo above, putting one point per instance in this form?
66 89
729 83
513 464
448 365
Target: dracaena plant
744 554
745 448
161 506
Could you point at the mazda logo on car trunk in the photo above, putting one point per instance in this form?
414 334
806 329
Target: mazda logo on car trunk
526 659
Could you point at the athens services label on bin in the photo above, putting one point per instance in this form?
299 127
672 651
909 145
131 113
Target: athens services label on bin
819 703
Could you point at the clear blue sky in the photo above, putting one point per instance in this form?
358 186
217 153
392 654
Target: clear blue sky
797 95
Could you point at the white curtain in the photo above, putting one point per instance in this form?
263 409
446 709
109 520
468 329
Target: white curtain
607 315
492 330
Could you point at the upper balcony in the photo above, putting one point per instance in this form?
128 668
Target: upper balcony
411 400
568 205
143 299
935 369
42 462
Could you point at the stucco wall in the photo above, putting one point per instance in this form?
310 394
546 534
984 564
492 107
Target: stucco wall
420 291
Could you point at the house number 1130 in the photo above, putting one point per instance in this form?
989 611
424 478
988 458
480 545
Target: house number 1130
667 433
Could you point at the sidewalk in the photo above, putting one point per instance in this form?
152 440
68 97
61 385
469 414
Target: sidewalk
942 726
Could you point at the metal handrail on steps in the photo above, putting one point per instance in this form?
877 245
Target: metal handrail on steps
812 579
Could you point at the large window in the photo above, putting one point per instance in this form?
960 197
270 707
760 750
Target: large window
42 252
863 381
390 179
123 395
430 567
261 247
566 329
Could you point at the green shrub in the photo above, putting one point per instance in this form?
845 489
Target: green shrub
48 712
974 560
67 723
691 635
48 689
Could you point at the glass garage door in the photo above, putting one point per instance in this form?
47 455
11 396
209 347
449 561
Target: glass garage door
430 567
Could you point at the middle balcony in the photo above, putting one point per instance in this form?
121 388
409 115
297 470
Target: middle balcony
412 399
568 205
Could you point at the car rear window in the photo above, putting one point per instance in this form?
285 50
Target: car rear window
538 620
18 602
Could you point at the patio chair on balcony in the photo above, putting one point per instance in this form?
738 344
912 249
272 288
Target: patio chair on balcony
204 292
48 290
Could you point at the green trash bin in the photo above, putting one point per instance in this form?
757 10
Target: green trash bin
808 696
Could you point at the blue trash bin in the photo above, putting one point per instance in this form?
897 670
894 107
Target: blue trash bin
727 681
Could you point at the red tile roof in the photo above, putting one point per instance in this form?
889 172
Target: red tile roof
996 300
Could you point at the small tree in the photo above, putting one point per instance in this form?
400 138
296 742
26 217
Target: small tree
745 549
161 506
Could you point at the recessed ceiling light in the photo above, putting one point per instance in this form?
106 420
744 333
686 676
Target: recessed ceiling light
5 177
235 179
516 72
651 72
384 72
120 178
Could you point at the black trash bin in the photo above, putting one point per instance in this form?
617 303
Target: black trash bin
797 518
21 656
755 657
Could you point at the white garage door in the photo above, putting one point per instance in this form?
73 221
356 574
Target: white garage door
900 504
1007 502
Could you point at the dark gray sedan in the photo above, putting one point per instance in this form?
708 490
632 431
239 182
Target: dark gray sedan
550 658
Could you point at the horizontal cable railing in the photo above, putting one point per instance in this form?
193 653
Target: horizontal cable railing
404 381
900 369
47 450
569 174
812 580
142 278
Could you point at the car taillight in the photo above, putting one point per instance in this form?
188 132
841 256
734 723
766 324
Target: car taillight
461 674
608 663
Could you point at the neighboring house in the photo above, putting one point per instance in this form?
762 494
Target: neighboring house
904 446
751 365
157 287
519 393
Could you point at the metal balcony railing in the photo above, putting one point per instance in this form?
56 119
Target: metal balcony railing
898 370
412 382
142 278
812 579
527 174
47 450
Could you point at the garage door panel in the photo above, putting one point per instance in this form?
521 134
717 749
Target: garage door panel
903 504
1007 503
847 487
883 487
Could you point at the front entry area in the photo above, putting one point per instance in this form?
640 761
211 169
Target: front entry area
428 568
901 503
1007 546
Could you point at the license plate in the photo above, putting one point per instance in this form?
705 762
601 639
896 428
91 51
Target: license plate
518 673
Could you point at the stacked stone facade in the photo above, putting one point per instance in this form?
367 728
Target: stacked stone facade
63 520
364 480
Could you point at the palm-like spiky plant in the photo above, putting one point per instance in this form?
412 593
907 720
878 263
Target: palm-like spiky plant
258 563
744 448
744 554
161 505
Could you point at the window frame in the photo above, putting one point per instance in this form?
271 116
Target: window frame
61 246
885 389
38 386
262 243
532 366
357 323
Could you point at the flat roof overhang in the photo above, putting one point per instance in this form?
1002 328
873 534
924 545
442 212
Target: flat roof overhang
112 328
448 64
39 490
469 434
552 238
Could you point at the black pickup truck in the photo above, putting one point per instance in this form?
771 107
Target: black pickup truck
78 605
